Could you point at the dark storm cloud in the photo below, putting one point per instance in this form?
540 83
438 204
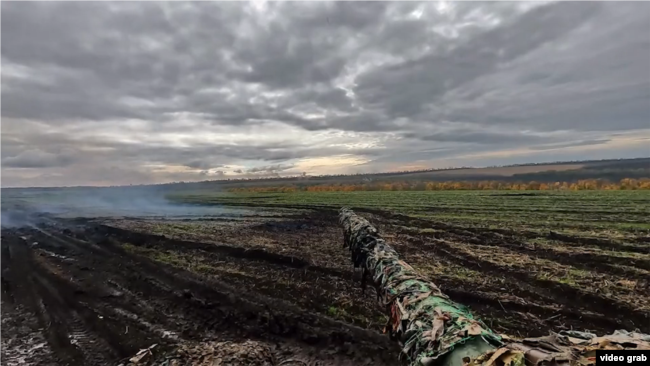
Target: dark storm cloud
202 164
594 78
36 159
572 144
404 89
520 74
61 149
478 137
269 168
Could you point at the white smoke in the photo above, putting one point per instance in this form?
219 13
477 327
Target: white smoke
24 206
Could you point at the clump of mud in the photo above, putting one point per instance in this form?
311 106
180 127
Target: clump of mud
211 354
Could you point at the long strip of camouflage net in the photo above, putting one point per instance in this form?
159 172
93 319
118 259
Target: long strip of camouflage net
566 348
426 323
431 328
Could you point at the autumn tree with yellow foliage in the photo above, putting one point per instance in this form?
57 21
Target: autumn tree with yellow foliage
581 185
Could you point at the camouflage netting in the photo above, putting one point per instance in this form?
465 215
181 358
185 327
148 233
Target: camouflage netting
567 348
431 328
426 323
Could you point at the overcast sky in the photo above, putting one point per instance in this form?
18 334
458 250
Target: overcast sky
98 93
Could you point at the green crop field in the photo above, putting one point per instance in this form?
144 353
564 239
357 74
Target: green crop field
525 262
606 212
523 259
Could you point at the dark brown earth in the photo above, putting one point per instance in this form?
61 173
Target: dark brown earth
71 295
91 292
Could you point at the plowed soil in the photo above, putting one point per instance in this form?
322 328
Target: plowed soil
72 295
94 292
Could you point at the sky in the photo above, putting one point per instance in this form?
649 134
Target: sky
111 93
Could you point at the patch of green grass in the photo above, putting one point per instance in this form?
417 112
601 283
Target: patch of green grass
573 277
203 268
170 257
333 311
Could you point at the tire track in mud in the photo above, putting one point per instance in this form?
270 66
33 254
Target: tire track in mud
278 276
610 314
545 315
145 284
145 302
542 302
19 272
26 344
523 298
158 303
502 235
209 293
256 315
159 241
68 329
114 300
605 244
570 297
636 268
75 321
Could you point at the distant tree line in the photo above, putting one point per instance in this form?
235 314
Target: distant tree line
609 169
580 185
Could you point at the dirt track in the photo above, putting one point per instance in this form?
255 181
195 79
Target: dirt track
73 296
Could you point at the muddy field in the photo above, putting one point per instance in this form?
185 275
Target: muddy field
86 293
95 291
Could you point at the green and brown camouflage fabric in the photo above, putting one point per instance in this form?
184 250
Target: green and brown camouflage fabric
428 325
425 322
566 348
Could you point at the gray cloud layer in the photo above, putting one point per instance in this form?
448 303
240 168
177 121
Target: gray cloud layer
102 93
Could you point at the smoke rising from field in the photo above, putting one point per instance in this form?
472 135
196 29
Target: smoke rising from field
24 207
116 202
14 219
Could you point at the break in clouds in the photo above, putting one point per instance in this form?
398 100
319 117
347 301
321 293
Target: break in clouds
109 93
